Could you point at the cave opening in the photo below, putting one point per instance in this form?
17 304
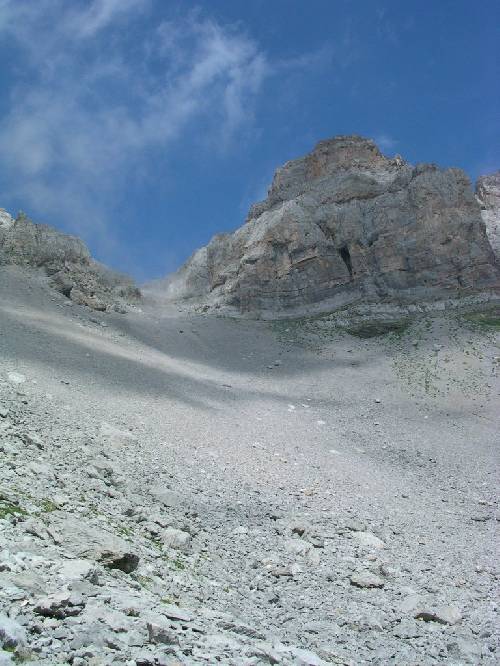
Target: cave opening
345 255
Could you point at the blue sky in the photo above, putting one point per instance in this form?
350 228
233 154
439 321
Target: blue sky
147 126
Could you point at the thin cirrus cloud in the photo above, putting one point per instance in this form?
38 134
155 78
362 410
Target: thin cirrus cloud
386 142
90 99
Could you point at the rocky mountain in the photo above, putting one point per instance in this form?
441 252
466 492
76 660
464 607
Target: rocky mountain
346 224
66 261
185 490
488 196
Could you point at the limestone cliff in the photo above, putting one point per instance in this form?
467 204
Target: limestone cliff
346 224
66 261
488 196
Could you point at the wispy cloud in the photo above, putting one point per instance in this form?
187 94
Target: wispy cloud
91 104
386 142
99 93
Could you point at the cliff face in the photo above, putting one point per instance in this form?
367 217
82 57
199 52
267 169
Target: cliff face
67 262
488 196
346 224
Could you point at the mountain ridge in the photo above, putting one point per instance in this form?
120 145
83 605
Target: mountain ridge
345 224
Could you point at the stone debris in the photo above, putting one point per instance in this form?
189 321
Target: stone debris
442 614
176 539
149 516
366 579
368 540
12 634
16 377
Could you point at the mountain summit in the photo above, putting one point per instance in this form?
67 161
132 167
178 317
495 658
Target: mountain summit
346 224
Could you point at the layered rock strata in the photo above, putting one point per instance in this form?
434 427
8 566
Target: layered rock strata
66 261
347 224
488 196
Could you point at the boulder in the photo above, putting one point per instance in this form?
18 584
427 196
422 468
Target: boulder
12 634
92 543
346 224
176 539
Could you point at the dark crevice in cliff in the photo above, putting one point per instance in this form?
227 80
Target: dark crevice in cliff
345 255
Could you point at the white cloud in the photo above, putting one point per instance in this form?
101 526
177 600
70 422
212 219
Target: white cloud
99 14
92 101
386 142
99 94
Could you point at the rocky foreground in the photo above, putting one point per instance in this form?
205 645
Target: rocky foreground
180 489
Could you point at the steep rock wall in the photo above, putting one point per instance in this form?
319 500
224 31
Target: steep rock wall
344 224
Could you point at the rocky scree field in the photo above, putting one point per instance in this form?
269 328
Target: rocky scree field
183 488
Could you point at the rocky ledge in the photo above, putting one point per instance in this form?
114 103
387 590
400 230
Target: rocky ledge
346 224
66 261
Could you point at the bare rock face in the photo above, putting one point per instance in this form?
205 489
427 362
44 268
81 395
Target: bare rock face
488 196
345 224
66 260
6 220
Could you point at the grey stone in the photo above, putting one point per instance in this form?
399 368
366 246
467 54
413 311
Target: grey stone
6 659
440 614
297 546
167 497
242 629
33 439
266 653
366 579
79 569
67 260
6 220
177 539
16 377
161 635
368 539
466 651
488 196
97 544
63 283
12 633
116 438
176 613
346 224
407 629
303 657
60 605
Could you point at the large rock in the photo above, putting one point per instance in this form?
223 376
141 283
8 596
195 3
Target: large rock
94 544
488 196
345 224
66 260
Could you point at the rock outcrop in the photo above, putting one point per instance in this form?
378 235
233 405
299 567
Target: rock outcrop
488 196
346 224
67 262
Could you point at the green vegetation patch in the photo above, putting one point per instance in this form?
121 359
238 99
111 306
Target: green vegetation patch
47 506
489 320
375 329
7 509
